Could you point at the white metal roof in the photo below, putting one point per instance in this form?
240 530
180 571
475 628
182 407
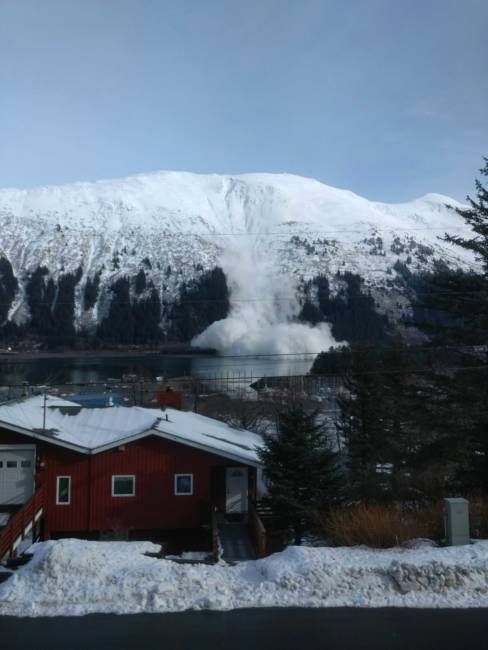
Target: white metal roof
92 430
206 433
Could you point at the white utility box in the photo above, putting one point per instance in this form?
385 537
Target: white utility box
456 521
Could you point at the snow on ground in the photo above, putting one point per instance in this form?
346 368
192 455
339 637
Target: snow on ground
73 577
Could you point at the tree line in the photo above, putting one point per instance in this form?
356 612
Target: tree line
136 312
413 420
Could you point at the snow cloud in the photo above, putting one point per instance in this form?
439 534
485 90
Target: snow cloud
264 307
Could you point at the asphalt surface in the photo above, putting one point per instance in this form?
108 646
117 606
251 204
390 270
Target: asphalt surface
253 629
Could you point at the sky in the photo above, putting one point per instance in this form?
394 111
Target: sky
386 98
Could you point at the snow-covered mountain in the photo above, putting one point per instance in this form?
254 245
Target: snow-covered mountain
269 232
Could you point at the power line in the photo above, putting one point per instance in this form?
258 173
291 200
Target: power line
271 300
372 230
239 379
362 230
371 346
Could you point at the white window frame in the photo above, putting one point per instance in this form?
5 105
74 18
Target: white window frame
63 503
132 476
183 494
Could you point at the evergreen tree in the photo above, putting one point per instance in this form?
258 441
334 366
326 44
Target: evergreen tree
334 362
92 288
118 326
476 216
448 404
362 422
62 311
202 301
8 288
351 313
449 425
451 306
474 308
471 385
301 469
147 317
415 420
405 423
309 313
140 282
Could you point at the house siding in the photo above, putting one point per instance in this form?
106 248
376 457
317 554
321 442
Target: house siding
154 462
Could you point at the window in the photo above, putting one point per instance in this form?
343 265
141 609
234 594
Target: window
11 464
25 463
123 486
1 464
63 490
183 484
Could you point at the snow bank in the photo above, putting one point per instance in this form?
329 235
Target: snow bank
72 577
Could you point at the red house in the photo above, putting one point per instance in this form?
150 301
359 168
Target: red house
94 470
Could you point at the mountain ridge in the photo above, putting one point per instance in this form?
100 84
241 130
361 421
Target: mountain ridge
136 184
175 227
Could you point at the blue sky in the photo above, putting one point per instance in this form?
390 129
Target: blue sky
388 98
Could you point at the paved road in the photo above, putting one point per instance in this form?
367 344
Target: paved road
280 629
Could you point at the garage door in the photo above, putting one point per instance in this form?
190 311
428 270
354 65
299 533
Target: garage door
16 475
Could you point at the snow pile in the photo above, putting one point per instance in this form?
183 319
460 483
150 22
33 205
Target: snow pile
73 577
191 556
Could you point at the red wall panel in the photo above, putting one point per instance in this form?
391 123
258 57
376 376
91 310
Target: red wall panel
171 399
154 462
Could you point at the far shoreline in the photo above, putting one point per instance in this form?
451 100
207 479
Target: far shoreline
184 351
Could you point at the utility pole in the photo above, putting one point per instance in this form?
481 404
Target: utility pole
44 414
195 395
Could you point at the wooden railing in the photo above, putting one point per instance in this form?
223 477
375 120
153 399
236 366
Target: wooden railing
258 531
21 524
215 534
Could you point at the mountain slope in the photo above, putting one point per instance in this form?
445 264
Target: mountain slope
269 232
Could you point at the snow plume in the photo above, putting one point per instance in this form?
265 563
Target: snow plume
264 307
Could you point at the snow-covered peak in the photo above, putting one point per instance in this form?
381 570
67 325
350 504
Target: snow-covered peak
187 202
270 233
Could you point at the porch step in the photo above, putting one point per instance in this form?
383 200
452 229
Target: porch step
236 541
265 512
5 575
15 562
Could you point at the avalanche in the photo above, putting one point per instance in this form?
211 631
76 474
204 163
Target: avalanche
73 577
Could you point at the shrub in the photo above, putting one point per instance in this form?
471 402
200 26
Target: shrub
379 526
386 526
478 515
375 526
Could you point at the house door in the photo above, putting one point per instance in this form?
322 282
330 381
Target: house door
16 474
236 483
